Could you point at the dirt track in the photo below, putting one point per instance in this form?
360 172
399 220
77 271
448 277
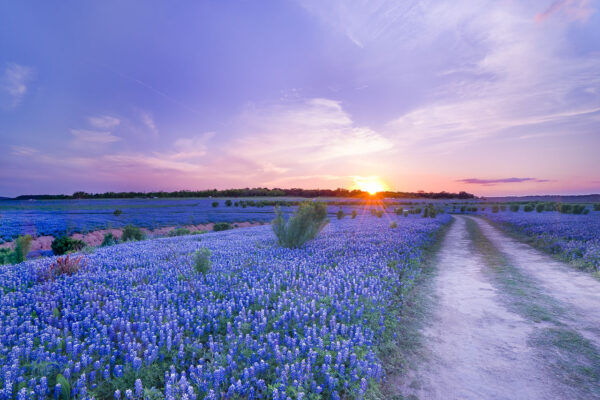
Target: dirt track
483 343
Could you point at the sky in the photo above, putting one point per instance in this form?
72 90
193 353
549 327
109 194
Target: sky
494 97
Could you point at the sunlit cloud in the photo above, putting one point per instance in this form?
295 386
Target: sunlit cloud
104 121
576 10
147 120
489 182
86 136
14 82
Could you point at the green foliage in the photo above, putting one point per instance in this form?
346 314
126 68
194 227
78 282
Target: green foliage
426 212
578 208
228 203
528 208
495 209
64 244
109 240
354 214
393 225
304 225
117 212
399 211
379 213
22 247
65 387
6 256
540 207
215 203
597 207
180 232
222 226
565 208
340 214
514 207
463 209
131 232
202 262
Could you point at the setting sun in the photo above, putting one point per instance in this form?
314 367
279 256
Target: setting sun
370 184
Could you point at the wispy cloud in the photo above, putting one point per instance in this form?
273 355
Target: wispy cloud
147 120
22 151
490 182
87 137
14 83
104 121
576 10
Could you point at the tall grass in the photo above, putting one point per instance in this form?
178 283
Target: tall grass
304 225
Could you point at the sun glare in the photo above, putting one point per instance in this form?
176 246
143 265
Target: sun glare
369 184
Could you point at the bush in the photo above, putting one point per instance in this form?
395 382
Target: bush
502 208
514 207
228 203
540 207
406 213
64 244
399 211
340 214
495 209
578 209
222 226
6 256
528 208
202 262
304 225
62 266
236 204
565 208
22 247
463 209
597 207
215 203
426 212
117 212
179 232
109 240
131 232
379 213
354 214
393 225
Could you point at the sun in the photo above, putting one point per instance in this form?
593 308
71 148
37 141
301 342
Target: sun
369 184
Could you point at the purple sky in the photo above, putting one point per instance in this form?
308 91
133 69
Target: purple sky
492 97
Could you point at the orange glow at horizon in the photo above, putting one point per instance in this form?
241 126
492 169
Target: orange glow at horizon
369 184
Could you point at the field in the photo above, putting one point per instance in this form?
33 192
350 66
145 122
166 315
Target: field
265 322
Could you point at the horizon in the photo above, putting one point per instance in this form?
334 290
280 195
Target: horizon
497 99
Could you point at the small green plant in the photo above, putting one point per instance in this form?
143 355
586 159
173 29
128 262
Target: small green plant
379 213
393 225
179 232
340 214
310 218
528 208
109 240
6 256
578 209
354 214
22 247
131 232
514 207
565 208
62 266
502 207
202 262
597 207
64 244
540 207
426 212
215 203
495 209
117 212
399 211
406 213
228 203
222 226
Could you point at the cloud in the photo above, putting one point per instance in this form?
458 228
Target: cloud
491 182
148 121
13 84
104 121
87 137
575 10
191 147
23 151
304 132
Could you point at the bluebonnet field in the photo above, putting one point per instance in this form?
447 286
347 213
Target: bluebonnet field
576 238
266 322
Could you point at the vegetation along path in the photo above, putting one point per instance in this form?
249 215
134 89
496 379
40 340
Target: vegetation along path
508 322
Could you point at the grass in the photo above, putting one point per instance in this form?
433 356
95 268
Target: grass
403 345
572 358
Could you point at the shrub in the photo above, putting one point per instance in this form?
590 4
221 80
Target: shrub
109 240
503 208
62 266
406 213
578 209
64 244
514 207
586 211
463 209
236 204
597 207
399 211
304 225
340 214
565 208
215 203
222 226
6 256
528 208
131 232
495 209
354 214
393 225
540 207
179 232
228 203
202 262
117 212
22 247
426 212
379 213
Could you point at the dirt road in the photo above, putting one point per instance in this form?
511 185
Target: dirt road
507 322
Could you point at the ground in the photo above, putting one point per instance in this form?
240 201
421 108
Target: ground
503 321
